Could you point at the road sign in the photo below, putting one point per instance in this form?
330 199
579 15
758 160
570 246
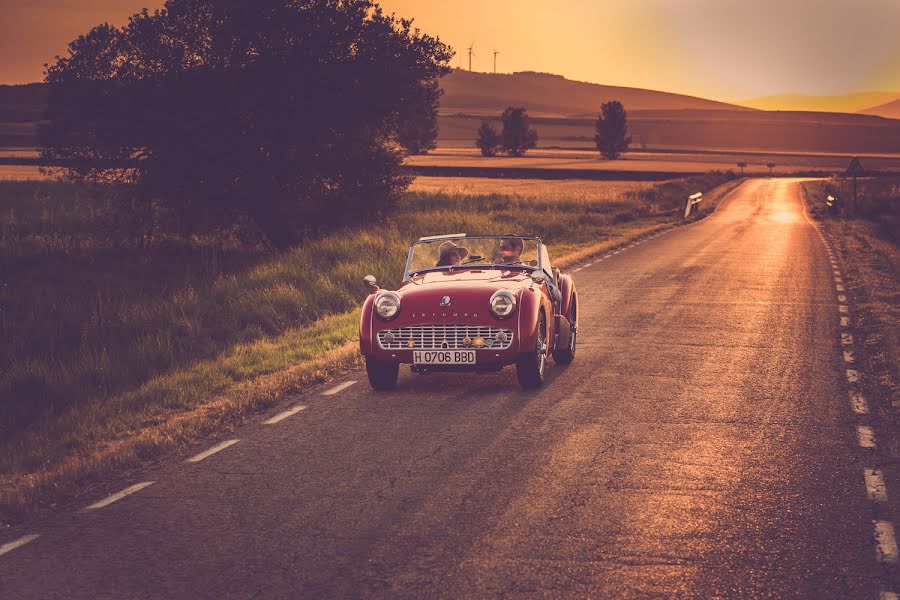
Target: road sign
855 168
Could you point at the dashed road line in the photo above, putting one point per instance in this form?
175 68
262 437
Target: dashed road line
284 415
842 308
888 596
866 436
842 298
875 487
846 339
852 375
338 388
859 404
845 321
119 495
9 547
211 451
848 357
885 542
839 287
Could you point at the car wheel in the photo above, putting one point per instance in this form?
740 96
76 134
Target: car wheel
566 355
530 367
382 374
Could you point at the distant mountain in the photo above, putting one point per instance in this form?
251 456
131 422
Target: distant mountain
891 110
846 103
554 96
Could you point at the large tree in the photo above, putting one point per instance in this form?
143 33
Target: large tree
418 128
612 130
283 111
517 136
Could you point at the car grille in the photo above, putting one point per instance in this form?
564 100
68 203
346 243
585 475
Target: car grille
443 337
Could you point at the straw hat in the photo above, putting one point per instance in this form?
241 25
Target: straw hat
452 247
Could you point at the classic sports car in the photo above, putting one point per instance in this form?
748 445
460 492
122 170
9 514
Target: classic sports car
471 304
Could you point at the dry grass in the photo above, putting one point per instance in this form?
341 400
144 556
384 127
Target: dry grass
568 190
179 353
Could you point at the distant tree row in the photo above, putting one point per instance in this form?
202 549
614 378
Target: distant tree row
517 135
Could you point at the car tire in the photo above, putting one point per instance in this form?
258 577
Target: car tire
530 367
565 356
382 374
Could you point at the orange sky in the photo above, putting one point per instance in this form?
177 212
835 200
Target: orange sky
720 49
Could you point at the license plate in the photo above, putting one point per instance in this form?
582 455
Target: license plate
444 357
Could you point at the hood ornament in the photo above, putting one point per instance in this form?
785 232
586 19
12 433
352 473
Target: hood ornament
445 301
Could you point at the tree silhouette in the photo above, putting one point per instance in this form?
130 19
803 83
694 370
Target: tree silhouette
742 164
418 128
284 111
771 166
518 136
612 137
488 139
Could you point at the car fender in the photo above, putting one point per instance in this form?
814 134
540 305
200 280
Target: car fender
530 303
567 288
365 325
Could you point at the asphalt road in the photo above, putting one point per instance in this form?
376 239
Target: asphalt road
702 444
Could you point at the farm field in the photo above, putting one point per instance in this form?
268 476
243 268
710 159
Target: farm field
566 190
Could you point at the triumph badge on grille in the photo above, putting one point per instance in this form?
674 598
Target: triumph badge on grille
445 301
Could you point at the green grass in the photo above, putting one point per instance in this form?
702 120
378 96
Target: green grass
108 342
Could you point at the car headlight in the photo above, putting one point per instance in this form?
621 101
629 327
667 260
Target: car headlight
503 303
387 305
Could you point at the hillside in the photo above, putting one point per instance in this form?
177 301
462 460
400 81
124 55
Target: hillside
846 103
553 95
891 110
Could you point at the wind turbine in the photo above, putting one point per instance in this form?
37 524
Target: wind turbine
471 54
496 52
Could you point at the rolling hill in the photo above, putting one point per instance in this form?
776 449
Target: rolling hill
846 103
549 95
891 110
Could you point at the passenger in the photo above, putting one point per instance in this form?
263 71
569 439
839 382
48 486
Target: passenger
451 254
511 250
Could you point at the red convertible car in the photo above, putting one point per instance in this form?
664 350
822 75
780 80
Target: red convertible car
471 303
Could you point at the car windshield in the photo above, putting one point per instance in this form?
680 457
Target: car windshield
468 252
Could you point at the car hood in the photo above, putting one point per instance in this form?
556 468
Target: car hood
468 290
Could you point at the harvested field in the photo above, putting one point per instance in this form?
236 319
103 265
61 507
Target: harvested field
570 189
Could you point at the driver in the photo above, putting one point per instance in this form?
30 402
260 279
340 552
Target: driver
451 254
511 249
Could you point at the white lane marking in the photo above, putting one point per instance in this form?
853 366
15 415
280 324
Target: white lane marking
338 388
875 487
888 596
866 436
842 298
839 287
608 255
885 542
213 450
119 495
852 375
9 547
284 415
576 270
846 339
845 321
848 356
842 308
859 404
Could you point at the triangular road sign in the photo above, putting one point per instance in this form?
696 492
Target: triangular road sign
855 168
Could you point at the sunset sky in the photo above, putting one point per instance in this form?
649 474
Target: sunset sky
721 49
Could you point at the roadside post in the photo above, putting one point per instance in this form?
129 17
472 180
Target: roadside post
854 170
691 202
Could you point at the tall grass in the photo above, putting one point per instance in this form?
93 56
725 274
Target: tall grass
100 337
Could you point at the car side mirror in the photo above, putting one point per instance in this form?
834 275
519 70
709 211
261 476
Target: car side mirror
538 277
371 281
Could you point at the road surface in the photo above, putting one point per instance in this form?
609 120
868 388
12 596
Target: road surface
701 444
